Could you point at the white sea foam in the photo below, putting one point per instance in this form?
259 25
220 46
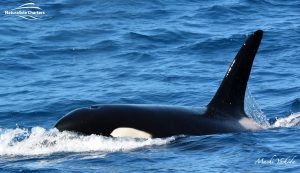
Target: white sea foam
39 141
289 121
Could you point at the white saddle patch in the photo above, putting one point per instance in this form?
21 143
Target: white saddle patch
249 124
130 132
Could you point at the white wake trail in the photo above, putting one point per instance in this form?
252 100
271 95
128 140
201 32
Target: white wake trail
39 141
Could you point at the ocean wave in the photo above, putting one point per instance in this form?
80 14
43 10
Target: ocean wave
15 65
210 44
135 57
289 121
166 37
39 141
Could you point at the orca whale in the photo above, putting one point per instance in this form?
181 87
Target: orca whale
224 114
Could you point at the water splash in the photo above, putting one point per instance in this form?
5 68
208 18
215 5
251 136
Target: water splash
289 121
253 111
39 141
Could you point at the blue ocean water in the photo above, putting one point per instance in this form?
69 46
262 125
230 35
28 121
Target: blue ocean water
153 52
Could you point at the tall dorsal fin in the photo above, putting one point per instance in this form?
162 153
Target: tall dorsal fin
229 98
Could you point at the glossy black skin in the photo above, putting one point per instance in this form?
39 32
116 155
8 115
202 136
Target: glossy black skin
221 116
159 121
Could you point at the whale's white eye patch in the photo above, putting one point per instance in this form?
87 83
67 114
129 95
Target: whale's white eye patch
130 132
